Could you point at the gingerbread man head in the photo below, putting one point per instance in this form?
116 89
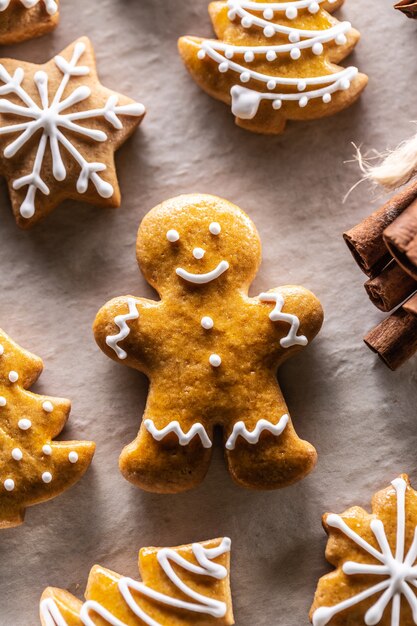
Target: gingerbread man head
210 351
200 242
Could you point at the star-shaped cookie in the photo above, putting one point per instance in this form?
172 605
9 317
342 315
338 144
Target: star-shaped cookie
59 130
25 19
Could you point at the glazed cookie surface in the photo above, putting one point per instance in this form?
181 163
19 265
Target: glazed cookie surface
33 467
187 585
59 130
375 558
275 61
25 19
210 351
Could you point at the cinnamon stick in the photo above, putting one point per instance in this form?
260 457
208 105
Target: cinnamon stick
391 287
411 305
408 7
395 338
401 239
365 240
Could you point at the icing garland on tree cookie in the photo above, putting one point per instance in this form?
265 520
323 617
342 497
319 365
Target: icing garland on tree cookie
207 562
58 118
50 5
291 44
33 467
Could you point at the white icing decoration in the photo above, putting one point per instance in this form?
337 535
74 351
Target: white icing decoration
215 360
50 5
240 430
202 279
24 424
207 322
276 315
121 321
1 349
13 376
198 253
215 228
183 438
173 236
73 457
48 406
241 8
51 119
9 484
399 570
46 449
245 102
199 603
17 454
3 401
47 477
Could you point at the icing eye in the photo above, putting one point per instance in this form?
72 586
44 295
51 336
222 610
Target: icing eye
198 253
173 236
215 228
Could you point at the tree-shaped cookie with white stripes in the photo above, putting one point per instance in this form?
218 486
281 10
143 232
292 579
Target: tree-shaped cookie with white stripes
33 467
210 352
375 560
59 131
25 19
275 61
183 586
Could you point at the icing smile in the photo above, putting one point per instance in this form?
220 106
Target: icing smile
202 279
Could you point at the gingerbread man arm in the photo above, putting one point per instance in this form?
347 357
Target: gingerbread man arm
123 330
296 317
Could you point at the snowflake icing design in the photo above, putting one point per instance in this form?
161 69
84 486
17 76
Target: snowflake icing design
51 117
50 5
399 569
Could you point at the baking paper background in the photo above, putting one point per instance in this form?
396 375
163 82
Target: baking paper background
359 415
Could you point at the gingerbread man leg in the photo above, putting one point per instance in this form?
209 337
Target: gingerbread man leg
171 452
263 450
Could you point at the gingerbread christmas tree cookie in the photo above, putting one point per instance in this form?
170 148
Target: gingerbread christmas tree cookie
375 556
210 351
59 130
25 19
33 467
184 586
275 61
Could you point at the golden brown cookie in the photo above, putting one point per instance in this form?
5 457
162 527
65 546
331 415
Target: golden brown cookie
25 19
59 130
275 61
375 557
33 468
210 351
188 585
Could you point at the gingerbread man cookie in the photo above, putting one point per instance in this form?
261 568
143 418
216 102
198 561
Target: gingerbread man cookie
276 61
33 467
25 19
188 585
210 351
59 130
375 556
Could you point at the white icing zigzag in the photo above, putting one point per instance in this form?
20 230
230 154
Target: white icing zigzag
245 102
121 322
240 430
399 570
201 604
276 315
183 438
52 121
50 5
